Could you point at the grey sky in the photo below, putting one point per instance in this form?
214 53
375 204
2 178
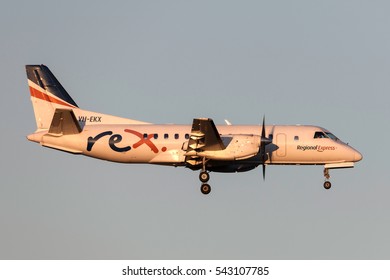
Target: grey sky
309 62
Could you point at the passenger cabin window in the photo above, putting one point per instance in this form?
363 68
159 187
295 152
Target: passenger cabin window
176 136
319 134
155 136
296 138
187 136
145 136
166 136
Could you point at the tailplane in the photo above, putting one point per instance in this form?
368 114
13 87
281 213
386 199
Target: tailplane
64 123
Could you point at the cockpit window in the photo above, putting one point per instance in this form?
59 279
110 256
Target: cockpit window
332 136
319 134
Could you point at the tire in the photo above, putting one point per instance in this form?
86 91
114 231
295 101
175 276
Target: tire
205 188
327 185
204 177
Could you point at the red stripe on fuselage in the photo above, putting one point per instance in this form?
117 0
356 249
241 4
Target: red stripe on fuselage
41 95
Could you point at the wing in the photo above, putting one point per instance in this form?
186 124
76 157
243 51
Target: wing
205 136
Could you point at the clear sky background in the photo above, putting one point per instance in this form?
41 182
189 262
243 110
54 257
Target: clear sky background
325 63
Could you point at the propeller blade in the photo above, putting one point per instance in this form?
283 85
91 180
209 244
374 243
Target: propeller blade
263 171
263 129
264 141
262 146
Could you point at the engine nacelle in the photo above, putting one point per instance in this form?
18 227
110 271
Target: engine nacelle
239 147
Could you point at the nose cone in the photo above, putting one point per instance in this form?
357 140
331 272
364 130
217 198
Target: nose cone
357 156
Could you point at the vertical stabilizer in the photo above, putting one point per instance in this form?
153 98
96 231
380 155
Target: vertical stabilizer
47 94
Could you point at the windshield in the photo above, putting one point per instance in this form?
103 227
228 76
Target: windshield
331 136
319 134
322 134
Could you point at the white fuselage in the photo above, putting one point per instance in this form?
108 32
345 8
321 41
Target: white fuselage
165 144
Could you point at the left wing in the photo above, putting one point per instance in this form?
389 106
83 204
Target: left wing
205 136
204 139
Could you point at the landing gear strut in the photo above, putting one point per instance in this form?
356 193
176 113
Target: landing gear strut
327 184
204 177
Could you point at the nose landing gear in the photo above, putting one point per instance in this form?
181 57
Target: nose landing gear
327 184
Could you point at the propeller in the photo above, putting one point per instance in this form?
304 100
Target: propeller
264 141
270 137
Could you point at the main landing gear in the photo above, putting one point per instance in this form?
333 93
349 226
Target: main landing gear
204 177
327 184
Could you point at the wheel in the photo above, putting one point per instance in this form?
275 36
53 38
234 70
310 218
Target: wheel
205 188
204 177
327 185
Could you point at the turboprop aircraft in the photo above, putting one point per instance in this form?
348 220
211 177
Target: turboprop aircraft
203 146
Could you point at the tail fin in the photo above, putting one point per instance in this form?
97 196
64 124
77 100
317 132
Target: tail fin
47 94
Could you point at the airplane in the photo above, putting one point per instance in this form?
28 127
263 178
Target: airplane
202 146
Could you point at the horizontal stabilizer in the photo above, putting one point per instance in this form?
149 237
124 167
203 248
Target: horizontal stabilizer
64 123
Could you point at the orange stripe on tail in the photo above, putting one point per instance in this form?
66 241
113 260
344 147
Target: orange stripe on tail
41 95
